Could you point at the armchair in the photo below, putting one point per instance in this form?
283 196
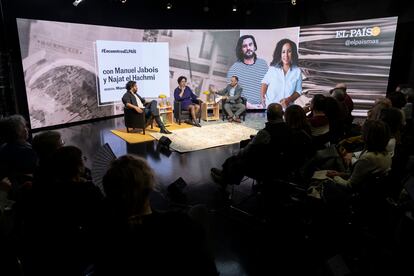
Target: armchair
134 119
243 115
180 114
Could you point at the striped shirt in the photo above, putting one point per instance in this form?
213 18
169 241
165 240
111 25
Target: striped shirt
250 78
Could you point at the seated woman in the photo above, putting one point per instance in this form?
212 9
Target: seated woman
185 95
374 160
303 148
140 240
319 122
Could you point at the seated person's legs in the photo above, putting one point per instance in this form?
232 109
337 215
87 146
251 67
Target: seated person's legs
197 111
151 109
193 109
232 172
240 108
229 111
148 116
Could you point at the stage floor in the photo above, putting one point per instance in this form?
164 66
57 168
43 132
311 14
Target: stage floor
194 167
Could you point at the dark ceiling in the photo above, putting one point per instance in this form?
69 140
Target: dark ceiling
191 14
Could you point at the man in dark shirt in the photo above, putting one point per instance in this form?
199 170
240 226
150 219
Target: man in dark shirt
272 141
133 101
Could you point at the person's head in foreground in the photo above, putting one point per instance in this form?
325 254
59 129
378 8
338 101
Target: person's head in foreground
376 135
128 184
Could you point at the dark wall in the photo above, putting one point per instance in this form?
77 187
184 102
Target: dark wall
251 14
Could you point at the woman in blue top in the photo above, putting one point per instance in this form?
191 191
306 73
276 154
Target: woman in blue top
283 81
185 95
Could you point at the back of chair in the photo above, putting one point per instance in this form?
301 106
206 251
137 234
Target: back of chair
374 186
134 119
180 114
370 199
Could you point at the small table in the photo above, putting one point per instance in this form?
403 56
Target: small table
166 114
210 116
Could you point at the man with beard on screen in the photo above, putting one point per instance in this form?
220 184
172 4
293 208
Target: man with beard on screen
250 69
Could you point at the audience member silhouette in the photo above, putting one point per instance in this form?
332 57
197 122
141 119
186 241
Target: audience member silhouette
274 141
319 122
375 111
45 144
302 145
409 106
374 160
17 158
340 118
60 233
347 100
394 120
138 240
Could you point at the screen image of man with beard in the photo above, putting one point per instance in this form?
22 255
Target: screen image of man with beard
250 69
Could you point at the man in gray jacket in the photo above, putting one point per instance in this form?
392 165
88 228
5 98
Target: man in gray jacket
233 104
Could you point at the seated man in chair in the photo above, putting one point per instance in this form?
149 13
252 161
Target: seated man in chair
233 104
132 100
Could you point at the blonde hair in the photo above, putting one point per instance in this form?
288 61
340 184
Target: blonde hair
128 184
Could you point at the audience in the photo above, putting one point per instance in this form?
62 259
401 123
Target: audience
138 240
17 158
61 230
45 144
301 140
67 226
374 160
398 100
347 100
273 141
394 120
375 111
344 111
338 118
409 107
319 122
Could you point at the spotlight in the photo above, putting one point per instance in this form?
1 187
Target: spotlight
293 2
234 8
123 1
77 2
169 6
206 8
165 141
